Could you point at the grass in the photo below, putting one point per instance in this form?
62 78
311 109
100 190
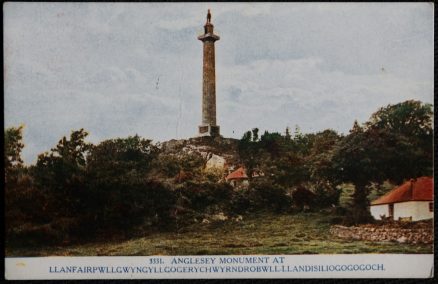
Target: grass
303 233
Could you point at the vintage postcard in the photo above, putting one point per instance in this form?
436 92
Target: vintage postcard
218 140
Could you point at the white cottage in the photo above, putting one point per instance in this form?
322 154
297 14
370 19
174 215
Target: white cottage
413 200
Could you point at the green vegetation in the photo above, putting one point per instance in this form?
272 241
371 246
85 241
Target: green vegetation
393 145
124 188
302 233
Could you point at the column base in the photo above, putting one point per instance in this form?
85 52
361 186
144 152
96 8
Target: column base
208 130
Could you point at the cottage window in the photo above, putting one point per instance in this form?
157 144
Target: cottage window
430 206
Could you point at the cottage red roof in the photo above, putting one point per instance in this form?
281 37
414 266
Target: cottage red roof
237 174
420 189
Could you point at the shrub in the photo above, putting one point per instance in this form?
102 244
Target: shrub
129 201
206 194
326 195
29 234
240 202
303 197
268 196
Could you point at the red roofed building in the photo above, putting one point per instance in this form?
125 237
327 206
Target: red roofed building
412 200
239 178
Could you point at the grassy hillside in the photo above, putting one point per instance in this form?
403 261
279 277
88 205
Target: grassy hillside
303 233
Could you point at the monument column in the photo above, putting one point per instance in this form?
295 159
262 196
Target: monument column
208 126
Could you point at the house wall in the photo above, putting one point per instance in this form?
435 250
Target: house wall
239 183
377 210
418 210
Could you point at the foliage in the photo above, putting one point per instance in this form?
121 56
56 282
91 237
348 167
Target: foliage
201 196
24 204
406 132
118 157
410 118
268 196
121 195
272 143
129 201
167 164
320 156
61 172
249 153
290 170
171 165
12 152
302 197
395 144
326 194
290 161
213 174
124 186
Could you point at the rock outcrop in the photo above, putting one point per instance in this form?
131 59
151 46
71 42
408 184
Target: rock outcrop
219 152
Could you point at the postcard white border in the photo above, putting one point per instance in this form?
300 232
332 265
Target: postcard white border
201 267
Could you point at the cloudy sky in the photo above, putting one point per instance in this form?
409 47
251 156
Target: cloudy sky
119 69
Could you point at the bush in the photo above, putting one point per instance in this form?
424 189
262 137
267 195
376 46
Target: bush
203 195
303 197
181 166
214 174
29 234
240 202
24 204
326 195
268 196
125 203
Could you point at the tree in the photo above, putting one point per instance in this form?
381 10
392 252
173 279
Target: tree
410 118
22 202
287 134
286 163
62 172
272 143
321 154
116 157
405 130
121 194
248 153
281 160
12 155
321 172
354 161
289 169
395 144
255 134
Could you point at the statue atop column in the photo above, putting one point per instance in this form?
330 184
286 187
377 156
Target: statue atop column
208 16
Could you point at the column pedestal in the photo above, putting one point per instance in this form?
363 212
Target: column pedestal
209 130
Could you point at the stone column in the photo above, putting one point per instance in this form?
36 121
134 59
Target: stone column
208 126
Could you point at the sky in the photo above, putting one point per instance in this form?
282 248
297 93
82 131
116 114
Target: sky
120 69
